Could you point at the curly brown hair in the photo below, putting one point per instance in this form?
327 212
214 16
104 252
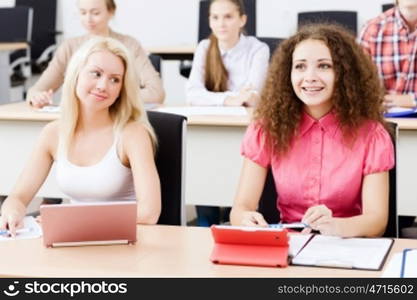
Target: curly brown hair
357 95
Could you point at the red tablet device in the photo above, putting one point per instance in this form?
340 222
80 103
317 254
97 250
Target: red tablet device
249 246
89 223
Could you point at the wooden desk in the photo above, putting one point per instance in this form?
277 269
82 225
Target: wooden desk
5 50
161 251
213 160
174 52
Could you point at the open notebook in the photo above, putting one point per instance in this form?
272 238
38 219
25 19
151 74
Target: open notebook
336 252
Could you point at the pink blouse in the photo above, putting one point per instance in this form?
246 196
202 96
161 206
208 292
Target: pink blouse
320 168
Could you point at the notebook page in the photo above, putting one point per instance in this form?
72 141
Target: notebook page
360 253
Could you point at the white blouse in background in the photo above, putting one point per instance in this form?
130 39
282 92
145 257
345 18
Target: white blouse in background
246 63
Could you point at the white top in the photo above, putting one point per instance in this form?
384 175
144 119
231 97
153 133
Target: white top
246 63
107 180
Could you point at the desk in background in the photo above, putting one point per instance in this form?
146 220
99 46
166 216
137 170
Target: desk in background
5 50
173 52
213 160
161 251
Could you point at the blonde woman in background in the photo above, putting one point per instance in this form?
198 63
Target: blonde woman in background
103 145
95 16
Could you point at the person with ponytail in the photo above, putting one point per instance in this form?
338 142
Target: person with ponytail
229 68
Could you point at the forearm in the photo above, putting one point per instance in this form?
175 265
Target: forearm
148 215
361 226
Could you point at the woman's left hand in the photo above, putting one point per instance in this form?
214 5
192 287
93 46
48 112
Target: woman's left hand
320 218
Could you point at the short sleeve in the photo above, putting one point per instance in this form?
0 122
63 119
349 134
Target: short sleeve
379 156
254 145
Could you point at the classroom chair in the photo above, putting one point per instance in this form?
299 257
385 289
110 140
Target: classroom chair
170 130
268 208
347 19
272 43
387 6
44 32
16 24
156 62
204 28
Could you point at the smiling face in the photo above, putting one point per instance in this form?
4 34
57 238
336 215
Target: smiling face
100 80
313 76
95 16
225 21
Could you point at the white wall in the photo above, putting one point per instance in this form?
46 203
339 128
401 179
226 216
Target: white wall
174 22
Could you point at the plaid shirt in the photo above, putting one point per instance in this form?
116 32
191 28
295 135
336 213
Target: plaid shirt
393 49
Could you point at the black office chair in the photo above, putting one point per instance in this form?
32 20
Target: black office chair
204 28
272 43
156 62
392 226
16 24
347 19
385 7
268 202
170 130
43 32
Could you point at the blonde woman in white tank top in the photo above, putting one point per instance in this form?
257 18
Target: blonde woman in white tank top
103 144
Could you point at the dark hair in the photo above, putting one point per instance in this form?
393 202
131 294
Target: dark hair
357 94
111 5
216 75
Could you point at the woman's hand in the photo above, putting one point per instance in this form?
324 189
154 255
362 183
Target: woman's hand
320 218
253 218
12 214
41 99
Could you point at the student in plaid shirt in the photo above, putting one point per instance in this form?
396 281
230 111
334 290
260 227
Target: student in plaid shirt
391 40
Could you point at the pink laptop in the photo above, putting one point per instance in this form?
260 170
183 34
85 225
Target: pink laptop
89 223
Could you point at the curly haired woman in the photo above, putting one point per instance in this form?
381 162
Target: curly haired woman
319 127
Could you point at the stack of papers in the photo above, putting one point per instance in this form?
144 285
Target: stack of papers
30 230
403 264
205 110
50 109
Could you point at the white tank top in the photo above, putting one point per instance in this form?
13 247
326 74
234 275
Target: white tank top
107 180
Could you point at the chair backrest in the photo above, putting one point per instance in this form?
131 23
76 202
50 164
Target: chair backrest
348 19
170 130
387 6
392 226
156 62
44 24
272 43
16 24
268 202
203 22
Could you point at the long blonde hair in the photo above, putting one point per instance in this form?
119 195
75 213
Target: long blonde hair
128 107
216 75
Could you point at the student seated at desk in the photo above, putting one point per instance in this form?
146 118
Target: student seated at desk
319 127
95 16
229 68
103 143
390 39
